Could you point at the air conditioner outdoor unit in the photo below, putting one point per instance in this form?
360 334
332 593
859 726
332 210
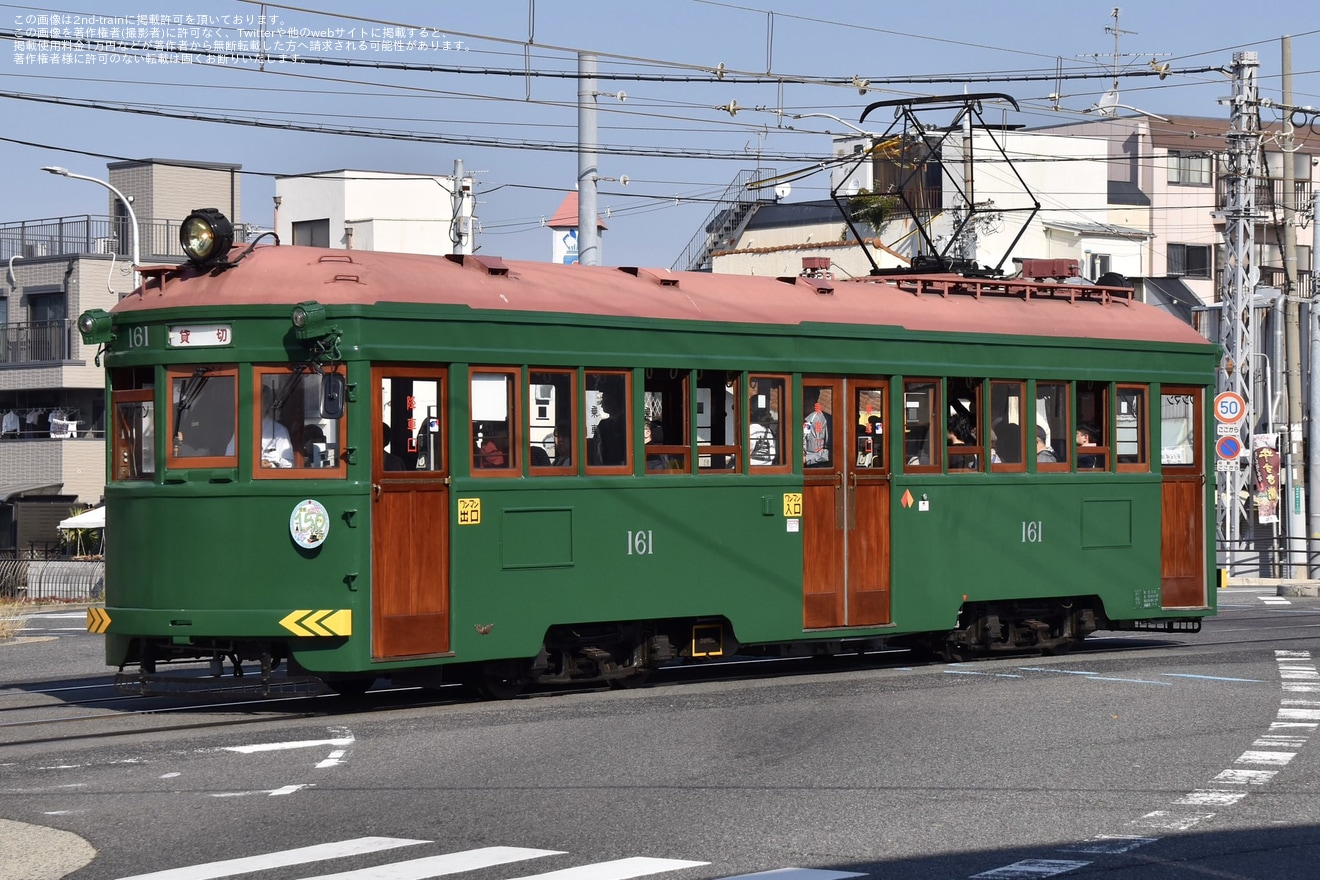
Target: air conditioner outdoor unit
35 249
105 246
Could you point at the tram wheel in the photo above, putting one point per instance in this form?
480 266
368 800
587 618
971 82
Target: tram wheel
501 680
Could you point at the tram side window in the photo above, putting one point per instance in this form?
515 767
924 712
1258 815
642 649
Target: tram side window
1007 414
717 421
1093 425
1130 428
551 417
133 450
817 426
494 419
203 415
963 430
608 413
766 396
1047 442
921 399
1178 424
410 423
665 410
293 433
869 405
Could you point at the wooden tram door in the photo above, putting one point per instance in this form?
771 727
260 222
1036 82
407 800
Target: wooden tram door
845 503
1182 498
409 513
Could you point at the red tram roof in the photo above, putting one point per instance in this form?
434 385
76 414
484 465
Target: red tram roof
943 303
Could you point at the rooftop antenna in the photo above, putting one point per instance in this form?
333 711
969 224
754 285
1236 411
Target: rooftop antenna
1109 105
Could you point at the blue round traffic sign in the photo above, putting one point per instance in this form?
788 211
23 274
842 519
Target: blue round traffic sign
1228 447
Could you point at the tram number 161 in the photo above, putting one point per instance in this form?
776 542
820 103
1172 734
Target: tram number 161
1033 532
641 543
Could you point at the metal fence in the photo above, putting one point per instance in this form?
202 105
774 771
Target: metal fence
52 580
1281 557
92 234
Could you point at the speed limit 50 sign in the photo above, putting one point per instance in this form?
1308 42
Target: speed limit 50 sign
1230 407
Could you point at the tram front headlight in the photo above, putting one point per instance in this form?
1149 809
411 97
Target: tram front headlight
95 327
309 320
206 236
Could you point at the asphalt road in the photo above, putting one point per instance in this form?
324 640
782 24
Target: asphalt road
1143 757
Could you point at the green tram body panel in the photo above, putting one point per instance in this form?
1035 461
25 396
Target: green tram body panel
208 555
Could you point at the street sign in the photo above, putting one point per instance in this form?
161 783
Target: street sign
1228 448
1230 407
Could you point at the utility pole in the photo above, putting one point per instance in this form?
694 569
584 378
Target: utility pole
1314 313
588 240
1295 482
1238 285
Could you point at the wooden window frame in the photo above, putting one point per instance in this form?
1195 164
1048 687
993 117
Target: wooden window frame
1020 466
513 418
552 470
118 447
1197 464
739 426
193 462
1069 429
1142 464
937 425
1105 448
625 469
965 450
783 443
298 471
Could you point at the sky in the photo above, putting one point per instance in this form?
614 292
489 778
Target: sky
689 92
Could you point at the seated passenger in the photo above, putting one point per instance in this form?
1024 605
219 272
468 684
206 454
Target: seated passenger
960 434
1087 435
491 448
653 432
1044 454
563 446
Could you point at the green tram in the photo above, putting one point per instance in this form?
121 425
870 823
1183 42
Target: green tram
337 466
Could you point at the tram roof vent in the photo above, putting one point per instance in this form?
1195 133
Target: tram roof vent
822 286
489 265
663 277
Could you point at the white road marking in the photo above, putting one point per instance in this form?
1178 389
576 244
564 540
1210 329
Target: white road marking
1030 869
1171 821
1268 759
1108 845
271 792
281 859
1209 797
439 866
333 759
619 869
1245 777
281 746
797 874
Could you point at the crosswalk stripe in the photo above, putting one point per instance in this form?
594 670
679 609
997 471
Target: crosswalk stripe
283 858
797 874
618 869
439 866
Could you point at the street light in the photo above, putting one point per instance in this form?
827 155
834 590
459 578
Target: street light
137 254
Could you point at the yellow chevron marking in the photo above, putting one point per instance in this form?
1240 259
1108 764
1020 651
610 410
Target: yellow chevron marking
331 622
98 620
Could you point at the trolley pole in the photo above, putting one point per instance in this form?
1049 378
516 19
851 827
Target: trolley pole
1239 282
588 240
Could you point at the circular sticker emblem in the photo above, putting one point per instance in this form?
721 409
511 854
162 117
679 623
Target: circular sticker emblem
309 524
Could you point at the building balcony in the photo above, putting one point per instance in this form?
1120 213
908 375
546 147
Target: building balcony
1269 193
37 342
91 234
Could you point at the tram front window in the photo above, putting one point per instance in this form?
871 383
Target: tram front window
291 431
203 406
